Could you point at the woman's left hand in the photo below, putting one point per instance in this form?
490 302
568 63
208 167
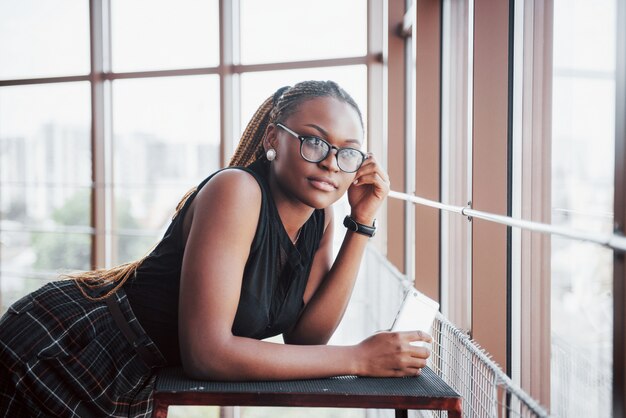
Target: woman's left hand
368 190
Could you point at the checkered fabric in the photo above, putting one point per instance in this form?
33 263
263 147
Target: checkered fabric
63 355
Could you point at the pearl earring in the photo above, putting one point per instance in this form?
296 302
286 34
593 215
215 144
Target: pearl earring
270 154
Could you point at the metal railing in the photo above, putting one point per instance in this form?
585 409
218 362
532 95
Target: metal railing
612 241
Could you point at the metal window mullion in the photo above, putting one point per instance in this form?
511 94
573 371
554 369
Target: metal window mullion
447 33
469 162
376 93
516 210
98 197
229 81
230 106
409 181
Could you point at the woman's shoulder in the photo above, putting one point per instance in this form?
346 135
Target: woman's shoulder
236 174
233 184
229 195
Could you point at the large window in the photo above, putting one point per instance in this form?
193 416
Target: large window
108 116
99 144
527 133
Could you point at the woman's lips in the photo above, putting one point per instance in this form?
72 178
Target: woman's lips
323 183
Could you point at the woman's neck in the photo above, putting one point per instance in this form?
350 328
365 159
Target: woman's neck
293 213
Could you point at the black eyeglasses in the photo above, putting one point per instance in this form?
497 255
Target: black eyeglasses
314 149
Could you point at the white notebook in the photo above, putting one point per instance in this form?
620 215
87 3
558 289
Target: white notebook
417 312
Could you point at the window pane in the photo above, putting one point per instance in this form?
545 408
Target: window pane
14 286
45 178
45 134
166 140
156 35
582 329
287 30
129 248
583 147
34 34
256 87
147 209
166 130
585 35
582 198
24 206
44 252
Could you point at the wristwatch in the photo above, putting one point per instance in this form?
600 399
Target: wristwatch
353 225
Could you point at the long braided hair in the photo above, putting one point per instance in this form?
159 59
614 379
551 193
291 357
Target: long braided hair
276 108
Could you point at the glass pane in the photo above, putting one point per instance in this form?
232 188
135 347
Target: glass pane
584 32
129 248
156 35
287 30
14 286
44 206
582 198
147 209
34 34
582 329
256 87
583 149
45 134
46 252
166 130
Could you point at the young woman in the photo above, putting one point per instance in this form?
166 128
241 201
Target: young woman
247 256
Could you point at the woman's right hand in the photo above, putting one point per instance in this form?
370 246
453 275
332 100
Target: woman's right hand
390 354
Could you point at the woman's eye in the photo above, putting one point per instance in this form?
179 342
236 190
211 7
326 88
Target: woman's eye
315 141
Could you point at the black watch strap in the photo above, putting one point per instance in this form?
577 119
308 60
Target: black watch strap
353 225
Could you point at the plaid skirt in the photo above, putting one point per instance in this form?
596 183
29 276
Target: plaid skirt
66 356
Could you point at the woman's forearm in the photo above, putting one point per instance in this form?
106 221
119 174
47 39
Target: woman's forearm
326 308
239 358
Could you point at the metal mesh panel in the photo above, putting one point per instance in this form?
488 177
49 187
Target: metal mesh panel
582 381
486 390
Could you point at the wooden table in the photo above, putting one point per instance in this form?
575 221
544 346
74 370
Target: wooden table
426 391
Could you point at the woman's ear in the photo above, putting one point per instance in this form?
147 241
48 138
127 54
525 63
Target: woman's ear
269 139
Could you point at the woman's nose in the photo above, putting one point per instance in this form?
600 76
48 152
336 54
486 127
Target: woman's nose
330 162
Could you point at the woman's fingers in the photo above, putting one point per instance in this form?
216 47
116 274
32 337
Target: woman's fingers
417 336
370 166
380 187
415 357
393 353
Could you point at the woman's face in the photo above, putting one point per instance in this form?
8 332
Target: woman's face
318 185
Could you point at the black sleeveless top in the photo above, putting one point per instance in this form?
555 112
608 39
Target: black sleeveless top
274 277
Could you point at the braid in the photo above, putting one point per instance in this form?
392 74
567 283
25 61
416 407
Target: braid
276 108
250 146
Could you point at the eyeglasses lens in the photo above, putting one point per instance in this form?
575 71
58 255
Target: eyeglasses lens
349 160
316 150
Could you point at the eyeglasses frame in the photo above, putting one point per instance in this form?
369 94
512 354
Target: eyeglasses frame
330 147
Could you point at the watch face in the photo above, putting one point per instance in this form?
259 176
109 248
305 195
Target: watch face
351 224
